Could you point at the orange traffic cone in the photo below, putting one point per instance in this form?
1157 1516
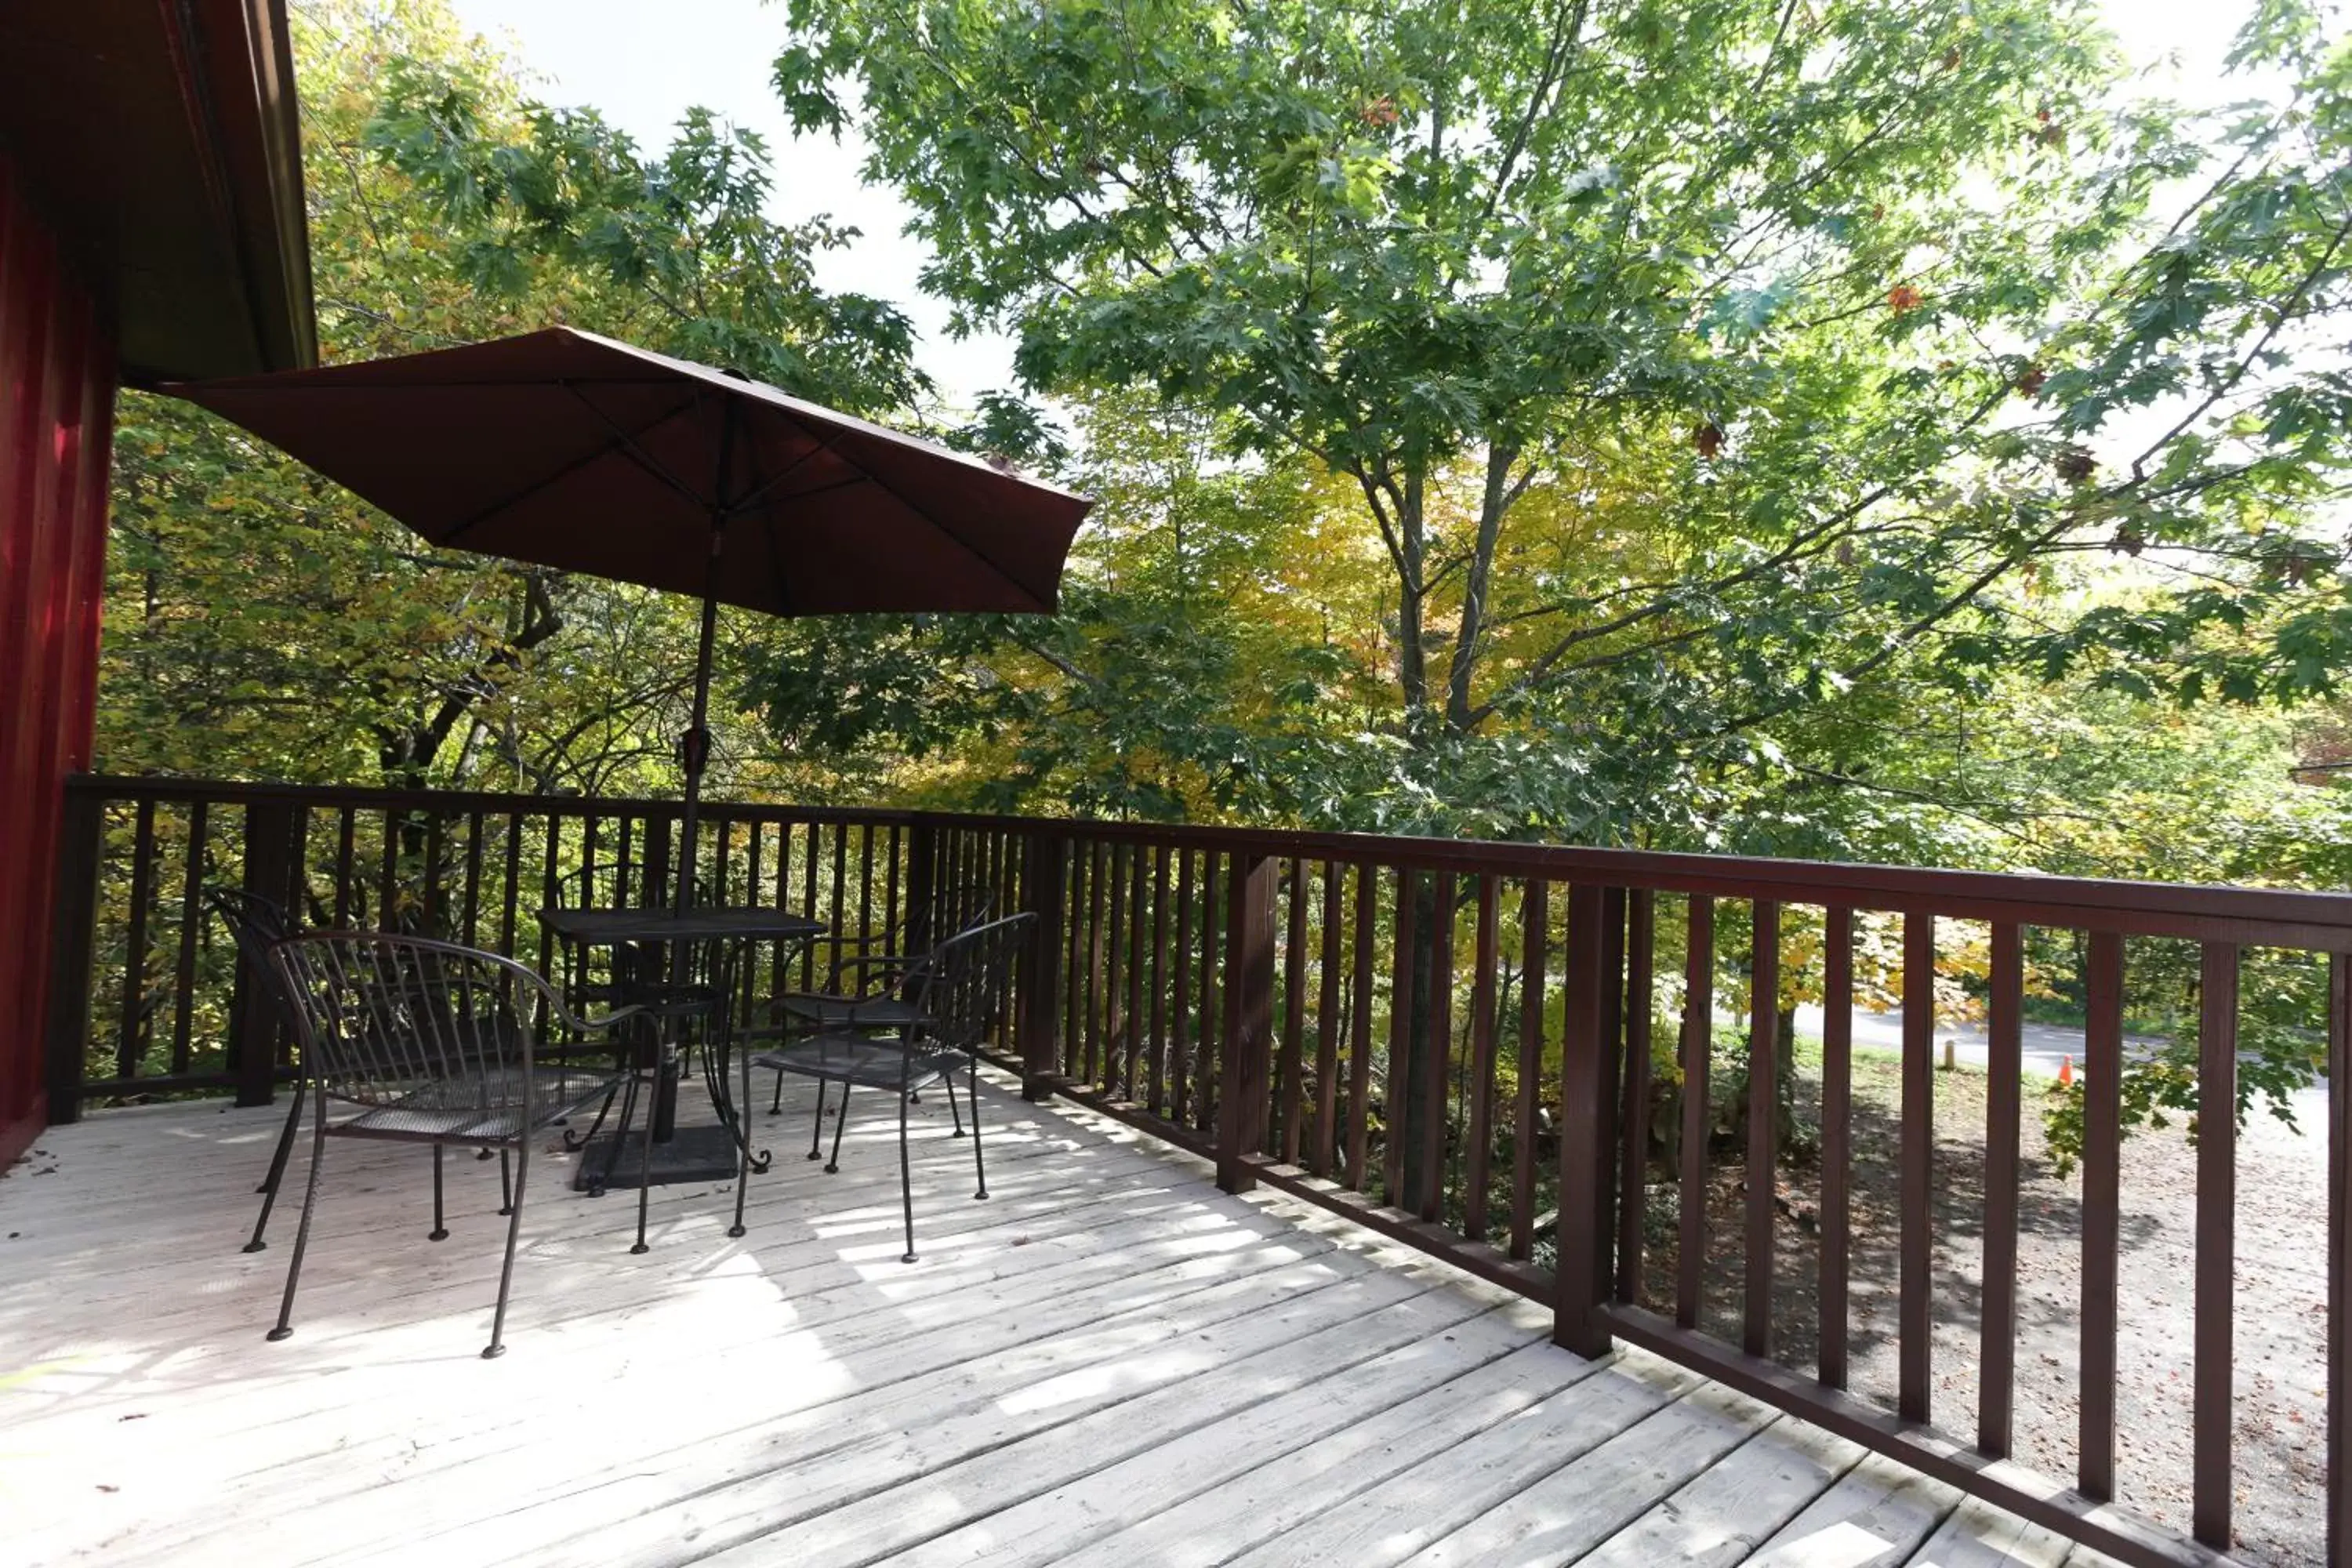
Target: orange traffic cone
2065 1073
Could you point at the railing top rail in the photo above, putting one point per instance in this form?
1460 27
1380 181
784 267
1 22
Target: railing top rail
2255 916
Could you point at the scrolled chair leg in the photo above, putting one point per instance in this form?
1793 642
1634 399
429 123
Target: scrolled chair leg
439 1232
269 1183
905 1179
498 1346
743 1154
840 1121
301 1232
979 1164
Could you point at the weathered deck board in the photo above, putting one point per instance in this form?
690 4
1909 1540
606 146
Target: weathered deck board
1108 1364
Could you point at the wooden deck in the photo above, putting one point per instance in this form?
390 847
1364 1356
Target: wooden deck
1110 1362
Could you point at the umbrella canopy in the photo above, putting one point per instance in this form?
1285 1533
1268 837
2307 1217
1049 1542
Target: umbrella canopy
565 450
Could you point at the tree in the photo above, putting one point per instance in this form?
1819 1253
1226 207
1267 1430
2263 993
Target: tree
1695 368
265 623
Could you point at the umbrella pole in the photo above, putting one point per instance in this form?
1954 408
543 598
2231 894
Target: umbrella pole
697 745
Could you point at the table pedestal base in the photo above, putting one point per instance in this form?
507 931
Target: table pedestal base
694 1154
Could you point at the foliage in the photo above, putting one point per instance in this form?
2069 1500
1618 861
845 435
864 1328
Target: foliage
1851 431
265 624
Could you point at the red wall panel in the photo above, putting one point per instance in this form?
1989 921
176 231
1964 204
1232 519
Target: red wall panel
57 406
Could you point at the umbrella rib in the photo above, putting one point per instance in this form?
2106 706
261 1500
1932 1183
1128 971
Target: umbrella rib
622 442
967 547
627 442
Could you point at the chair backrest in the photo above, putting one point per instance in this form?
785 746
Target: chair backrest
950 908
257 924
378 1015
960 985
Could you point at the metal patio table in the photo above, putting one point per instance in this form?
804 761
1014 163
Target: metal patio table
703 1153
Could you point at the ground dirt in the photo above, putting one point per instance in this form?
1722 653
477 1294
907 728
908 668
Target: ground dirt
2281 1299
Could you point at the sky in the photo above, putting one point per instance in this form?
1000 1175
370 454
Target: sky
645 62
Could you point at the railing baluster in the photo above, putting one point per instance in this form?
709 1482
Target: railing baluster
1698 1040
1837 1136
1763 1126
1604 1110
1289 1091
1099 874
1359 1027
2102 1058
1208 1060
1399 1088
387 887
1535 909
346 845
1633 1121
435 832
511 896
1157 1103
1114 968
472 924
1179 1076
129 1046
2004 1065
1916 1305
1437 1061
192 916
1323 1137
1139 913
2217 1213
1482 1066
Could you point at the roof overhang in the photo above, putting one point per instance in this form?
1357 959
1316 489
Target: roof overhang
161 139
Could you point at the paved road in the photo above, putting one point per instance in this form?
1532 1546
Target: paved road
2046 1047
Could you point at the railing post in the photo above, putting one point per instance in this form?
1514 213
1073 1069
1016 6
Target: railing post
1042 893
923 878
1244 1068
253 1021
1578 1282
73 938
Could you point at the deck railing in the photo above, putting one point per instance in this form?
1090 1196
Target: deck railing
1550 1066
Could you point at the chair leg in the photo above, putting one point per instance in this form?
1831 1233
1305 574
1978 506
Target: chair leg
505 1186
978 1163
268 1188
498 1346
840 1121
905 1179
816 1128
301 1231
947 1081
646 1173
743 1149
439 1232
776 1100
604 1178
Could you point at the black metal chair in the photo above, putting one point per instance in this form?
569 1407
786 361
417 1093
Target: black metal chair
951 998
429 1042
880 964
256 923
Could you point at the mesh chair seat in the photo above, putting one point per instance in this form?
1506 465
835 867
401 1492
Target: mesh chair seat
862 1060
820 1010
483 1107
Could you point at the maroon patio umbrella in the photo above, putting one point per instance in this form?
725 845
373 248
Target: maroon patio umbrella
565 450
